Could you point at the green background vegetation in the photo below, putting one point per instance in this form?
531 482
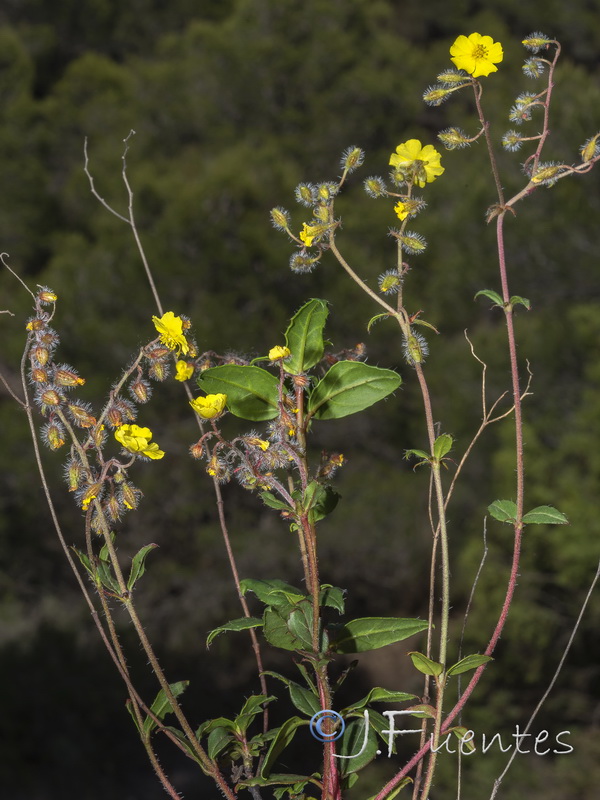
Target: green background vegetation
234 103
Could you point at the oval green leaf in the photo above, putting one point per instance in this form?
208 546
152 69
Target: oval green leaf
545 515
241 624
304 337
370 633
467 663
426 665
349 387
503 510
252 392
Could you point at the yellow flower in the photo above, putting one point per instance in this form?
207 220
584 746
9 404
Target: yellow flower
308 233
416 163
210 406
170 328
256 442
183 371
402 210
137 440
275 353
476 54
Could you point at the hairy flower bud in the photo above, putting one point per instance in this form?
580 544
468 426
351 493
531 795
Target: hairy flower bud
46 295
280 219
352 158
53 435
39 354
67 377
80 414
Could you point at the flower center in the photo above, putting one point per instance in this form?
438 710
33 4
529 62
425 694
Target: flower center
480 52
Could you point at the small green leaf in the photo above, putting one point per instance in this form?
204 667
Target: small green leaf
378 695
460 732
252 392
442 446
218 740
426 665
352 744
371 633
422 710
304 699
349 387
467 663
241 624
395 791
280 631
332 597
138 565
492 295
162 706
129 707
106 577
545 515
254 705
516 300
425 324
270 500
503 510
272 593
284 736
304 337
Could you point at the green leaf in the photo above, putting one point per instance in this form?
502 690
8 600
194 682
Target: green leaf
277 780
492 295
218 740
241 624
272 593
351 745
281 629
304 337
106 577
86 563
426 665
138 565
270 500
459 731
442 446
467 663
129 707
254 705
545 515
332 597
395 791
284 736
212 724
422 710
371 633
516 300
349 387
162 706
503 510
304 699
378 695
252 392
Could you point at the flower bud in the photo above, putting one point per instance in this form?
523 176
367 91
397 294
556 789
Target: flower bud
140 390
590 149
453 138
68 377
375 187
50 397
53 435
46 295
352 158
197 450
130 495
80 415
280 219
40 375
39 354
91 493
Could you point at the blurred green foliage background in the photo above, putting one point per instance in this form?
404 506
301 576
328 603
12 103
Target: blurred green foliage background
233 103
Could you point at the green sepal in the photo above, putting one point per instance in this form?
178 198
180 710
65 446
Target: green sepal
252 392
491 295
545 515
138 565
467 663
426 665
304 337
241 624
371 633
349 387
375 319
161 705
503 511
